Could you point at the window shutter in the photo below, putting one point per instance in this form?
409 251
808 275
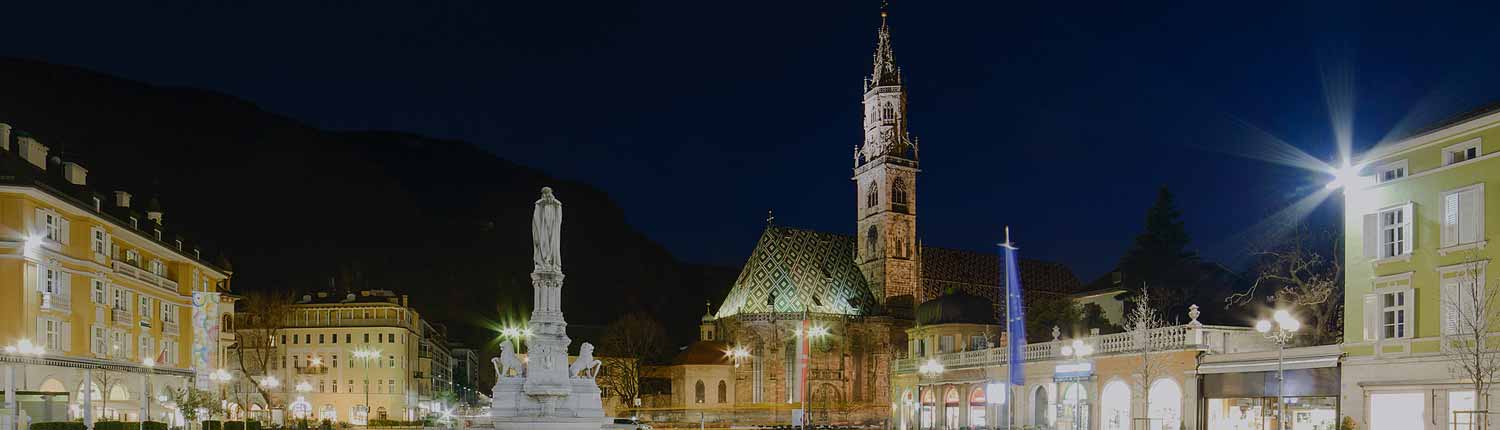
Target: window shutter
1452 296
64 283
67 336
1372 236
1372 317
1410 232
39 224
62 224
1450 219
1409 317
1471 215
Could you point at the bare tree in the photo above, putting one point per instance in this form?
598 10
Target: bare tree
630 341
1305 272
1144 324
260 318
1470 312
106 382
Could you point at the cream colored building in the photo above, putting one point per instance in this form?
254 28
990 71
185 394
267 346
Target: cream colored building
319 376
102 283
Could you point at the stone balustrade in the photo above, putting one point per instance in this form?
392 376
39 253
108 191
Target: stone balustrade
1192 336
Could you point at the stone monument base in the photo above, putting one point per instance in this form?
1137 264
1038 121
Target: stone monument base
578 406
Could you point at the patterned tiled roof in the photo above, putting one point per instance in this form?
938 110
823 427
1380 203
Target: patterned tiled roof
794 270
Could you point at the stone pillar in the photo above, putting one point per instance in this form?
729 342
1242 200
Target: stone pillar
88 398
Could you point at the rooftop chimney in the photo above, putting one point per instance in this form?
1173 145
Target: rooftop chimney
154 216
4 136
31 150
76 174
122 199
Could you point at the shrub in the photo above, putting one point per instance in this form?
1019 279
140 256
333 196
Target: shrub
153 425
253 425
234 425
209 425
109 425
58 425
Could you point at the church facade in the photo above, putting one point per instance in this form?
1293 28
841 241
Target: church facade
859 291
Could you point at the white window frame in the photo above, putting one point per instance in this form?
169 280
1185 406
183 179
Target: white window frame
145 308
99 241
158 268
978 342
168 312
945 344
49 332
98 340
1404 326
52 225
1474 144
49 280
132 257
1398 170
99 291
1452 223
1394 231
1450 292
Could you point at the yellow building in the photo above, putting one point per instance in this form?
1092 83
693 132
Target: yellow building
1414 227
339 353
102 287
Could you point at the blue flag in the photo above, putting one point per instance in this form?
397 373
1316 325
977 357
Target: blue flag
1015 315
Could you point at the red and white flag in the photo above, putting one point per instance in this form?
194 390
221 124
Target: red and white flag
804 351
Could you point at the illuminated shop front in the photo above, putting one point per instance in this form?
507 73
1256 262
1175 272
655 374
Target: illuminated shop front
1243 394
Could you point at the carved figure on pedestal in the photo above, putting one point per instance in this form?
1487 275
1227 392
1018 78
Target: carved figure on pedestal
585 366
508 364
546 233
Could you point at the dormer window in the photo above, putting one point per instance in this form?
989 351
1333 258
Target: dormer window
1392 171
1468 150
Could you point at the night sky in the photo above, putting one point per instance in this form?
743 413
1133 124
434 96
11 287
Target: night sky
1059 119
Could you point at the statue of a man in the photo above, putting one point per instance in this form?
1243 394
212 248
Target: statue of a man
546 233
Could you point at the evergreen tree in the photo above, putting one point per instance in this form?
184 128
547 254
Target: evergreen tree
1161 261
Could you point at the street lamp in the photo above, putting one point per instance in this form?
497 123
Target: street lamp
365 355
222 377
738 353
931 368
1281 332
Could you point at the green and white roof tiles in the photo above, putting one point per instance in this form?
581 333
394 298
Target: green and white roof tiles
794 270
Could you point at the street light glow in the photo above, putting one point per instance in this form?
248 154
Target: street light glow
270 382
1263 326
931 367
1344 175
817 331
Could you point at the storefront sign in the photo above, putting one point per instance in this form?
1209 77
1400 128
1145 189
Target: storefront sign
1082 369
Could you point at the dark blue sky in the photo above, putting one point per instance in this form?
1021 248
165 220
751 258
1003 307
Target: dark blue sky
1059 119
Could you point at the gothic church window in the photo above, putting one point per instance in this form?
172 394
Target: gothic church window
723 392
872 195
887 112
870 241
898 195
698 392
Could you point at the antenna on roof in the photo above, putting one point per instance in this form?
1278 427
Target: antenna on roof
770 218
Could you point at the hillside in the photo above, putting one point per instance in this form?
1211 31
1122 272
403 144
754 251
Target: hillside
298 208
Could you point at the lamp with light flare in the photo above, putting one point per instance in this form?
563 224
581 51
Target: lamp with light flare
931 367
270 382
24 346
1343 176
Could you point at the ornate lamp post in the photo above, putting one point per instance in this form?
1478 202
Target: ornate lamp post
365 355
1281 332
813 333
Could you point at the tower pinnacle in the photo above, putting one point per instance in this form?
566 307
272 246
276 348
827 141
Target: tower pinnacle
886 72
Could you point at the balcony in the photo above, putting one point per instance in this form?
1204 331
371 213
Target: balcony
56 302
121 316
1216 339
126 269
312 370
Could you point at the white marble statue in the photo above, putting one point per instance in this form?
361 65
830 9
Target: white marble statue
507 364
546 233
585 366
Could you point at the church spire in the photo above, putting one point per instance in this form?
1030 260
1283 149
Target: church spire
886 72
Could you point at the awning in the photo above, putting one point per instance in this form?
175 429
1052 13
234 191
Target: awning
1265 361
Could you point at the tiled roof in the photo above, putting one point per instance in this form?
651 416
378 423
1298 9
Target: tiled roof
704 352
794 270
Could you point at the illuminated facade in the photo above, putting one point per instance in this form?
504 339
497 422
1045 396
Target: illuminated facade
104 286
1414 226
337 351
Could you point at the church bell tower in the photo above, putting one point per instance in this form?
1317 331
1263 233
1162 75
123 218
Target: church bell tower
885 180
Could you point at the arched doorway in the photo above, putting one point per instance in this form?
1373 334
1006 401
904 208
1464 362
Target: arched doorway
977 404
1073 409
1166 405
1114 406
929 403
1040 407
951 403
301 409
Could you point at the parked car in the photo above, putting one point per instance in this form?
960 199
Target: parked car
625 423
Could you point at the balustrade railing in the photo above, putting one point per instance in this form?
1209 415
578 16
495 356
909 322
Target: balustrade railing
143 275
1173 338
57 302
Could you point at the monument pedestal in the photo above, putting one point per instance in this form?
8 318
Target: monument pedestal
550 394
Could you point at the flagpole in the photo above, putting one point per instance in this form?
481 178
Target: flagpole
1010 415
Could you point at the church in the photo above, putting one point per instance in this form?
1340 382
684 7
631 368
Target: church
860 293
